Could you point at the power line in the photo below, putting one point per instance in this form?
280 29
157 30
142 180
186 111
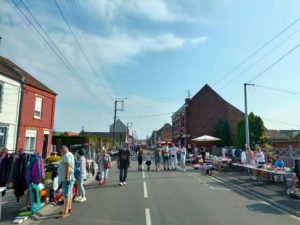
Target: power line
55 50
147 116
274 63
281 122
277 89
82 50
255 52
259 60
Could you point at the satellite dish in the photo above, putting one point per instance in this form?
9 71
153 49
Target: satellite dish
243 157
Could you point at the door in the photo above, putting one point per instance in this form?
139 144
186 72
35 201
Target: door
45 146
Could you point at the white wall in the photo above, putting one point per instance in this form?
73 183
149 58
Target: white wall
10 109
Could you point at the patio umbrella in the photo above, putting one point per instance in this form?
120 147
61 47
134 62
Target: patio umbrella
206 138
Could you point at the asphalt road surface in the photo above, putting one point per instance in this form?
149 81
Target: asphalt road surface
170 198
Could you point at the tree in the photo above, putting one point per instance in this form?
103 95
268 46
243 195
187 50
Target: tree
223 131
257 132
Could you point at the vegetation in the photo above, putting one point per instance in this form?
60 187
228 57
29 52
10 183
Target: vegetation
223 131
257 132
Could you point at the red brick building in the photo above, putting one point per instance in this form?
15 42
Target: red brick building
199 115
37 112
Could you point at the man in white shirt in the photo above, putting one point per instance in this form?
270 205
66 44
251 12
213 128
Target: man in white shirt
166 155
173 151
182 158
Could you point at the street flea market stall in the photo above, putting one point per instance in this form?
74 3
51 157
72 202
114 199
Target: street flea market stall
23 172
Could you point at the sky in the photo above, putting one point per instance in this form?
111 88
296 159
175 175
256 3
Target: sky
151 53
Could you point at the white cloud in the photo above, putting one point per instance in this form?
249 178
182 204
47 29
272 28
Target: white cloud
199 40
156 10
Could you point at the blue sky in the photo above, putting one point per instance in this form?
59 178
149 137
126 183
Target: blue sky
152 52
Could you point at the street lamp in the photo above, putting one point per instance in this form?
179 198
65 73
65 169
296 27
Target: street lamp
246 114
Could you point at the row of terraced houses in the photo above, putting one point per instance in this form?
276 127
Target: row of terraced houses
26 110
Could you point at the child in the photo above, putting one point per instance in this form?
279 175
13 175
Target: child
148 160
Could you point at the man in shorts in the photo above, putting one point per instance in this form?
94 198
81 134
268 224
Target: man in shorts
66 177
157 155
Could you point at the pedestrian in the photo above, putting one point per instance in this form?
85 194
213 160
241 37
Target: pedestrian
124 164
81 161
157 155
196 150
148 160
173 152
260 160
66 177
104 164
140 154
183 158
166 155
203 153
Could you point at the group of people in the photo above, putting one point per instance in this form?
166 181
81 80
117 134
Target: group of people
170 156
257 159
74 169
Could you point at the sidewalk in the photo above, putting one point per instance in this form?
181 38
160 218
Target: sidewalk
11 208
273 193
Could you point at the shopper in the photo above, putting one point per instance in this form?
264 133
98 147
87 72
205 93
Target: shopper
140 154
123 164
104 164
66 177
203 152
166 155
173 152
183 158
148 160
81 162
157 155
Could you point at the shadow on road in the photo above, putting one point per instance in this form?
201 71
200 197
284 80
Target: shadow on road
264 208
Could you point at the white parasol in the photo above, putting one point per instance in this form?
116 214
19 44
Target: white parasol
206 138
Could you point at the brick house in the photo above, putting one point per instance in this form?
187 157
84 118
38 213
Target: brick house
163 134
37 109
199 116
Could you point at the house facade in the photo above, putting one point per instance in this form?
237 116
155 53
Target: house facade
199 116
10 95
37 107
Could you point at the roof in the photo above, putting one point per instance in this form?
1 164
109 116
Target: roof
206 88
9 69
276 135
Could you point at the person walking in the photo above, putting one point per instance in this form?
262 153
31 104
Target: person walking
166 155
104 164
157 155
183 158
81 162
140 154
148 160
203 153
123 164
66 177
173 152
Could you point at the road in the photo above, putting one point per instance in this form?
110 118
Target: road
170 198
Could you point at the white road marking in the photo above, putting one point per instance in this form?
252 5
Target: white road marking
199 180
220 188
148 217
143 175
145 190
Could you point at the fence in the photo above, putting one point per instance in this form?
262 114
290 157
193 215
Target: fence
287 155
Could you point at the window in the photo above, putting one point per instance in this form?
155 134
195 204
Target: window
38 107
1 96
3 135
30 140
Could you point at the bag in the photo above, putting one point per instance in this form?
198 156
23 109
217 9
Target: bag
77 170
98 176
107 165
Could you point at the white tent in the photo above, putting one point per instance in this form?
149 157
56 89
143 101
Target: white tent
206 138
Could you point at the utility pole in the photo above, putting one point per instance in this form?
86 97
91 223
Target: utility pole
115 115
246 115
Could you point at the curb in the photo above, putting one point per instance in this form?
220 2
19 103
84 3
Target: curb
258 196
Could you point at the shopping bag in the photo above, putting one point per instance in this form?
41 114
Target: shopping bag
98 176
